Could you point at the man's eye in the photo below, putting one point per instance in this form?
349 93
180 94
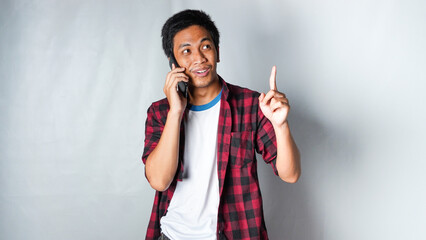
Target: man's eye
206 47
186 51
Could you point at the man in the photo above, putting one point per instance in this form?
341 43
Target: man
200 151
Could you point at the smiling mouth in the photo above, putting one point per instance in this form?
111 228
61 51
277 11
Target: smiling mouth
202 73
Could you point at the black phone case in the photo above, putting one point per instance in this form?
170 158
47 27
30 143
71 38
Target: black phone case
182 86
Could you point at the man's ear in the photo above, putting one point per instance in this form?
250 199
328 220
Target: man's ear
217 51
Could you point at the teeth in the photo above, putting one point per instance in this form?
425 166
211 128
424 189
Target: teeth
203 71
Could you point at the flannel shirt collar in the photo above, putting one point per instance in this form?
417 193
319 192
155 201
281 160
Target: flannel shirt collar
225 89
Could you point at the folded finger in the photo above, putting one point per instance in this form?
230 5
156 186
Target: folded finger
268 96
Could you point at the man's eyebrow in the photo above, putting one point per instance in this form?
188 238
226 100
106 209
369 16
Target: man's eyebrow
187 44
184 45
205 39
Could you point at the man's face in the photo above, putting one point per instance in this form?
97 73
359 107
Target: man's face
195 51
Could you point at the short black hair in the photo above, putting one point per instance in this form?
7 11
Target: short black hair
182 20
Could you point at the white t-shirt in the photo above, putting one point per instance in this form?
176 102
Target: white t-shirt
192 213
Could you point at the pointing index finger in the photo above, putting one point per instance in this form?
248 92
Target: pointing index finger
272 79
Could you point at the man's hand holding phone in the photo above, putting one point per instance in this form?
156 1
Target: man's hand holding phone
176 100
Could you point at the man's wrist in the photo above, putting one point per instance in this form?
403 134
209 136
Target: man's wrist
177 115
283 128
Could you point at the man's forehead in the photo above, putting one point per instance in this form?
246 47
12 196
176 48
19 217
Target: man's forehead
192 34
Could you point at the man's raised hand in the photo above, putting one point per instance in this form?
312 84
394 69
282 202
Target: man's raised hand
274 104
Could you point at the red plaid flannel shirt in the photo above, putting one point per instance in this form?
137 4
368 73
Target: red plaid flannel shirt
242 130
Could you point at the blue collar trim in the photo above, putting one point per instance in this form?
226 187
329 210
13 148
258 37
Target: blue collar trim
207 105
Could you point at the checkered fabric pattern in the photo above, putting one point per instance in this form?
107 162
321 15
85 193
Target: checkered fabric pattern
242 130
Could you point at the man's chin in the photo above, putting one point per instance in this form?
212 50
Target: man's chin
200 85
201 82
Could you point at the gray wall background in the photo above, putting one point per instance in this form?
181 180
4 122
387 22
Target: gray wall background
76 78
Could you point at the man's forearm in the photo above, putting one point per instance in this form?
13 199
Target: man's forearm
162 163
288 156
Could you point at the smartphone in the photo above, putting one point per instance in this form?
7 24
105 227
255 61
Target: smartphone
182 86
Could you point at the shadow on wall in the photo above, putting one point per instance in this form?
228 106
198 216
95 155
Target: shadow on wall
298 211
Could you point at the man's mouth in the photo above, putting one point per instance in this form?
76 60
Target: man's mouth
201 72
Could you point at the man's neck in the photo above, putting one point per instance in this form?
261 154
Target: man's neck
201 96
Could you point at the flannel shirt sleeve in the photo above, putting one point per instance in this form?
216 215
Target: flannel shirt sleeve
153 129
266 143
154 125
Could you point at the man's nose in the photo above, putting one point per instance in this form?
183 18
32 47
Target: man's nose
199 57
